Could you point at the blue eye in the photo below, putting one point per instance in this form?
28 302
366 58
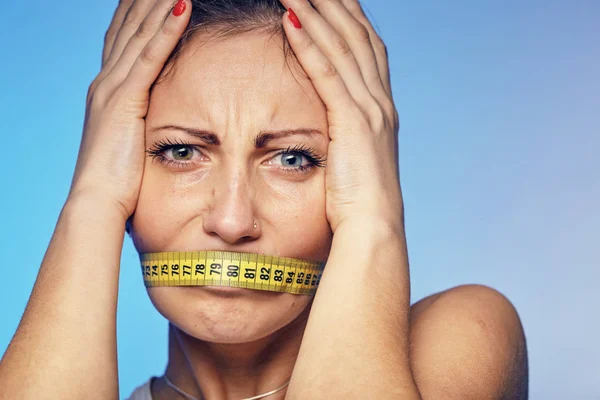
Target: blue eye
292 159
179 154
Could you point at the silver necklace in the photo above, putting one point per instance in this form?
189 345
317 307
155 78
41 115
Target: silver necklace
188 397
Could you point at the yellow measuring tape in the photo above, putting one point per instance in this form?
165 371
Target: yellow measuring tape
233 269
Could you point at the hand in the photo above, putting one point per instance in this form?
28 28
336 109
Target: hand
347 64
142 35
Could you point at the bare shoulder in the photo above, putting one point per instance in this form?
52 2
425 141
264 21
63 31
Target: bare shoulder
468 343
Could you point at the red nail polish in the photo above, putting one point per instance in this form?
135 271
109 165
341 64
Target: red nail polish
179 8
294 18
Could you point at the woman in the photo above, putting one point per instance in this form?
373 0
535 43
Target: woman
203 132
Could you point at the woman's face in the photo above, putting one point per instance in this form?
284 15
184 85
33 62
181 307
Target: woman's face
231 101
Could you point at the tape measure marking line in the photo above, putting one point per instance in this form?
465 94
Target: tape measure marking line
168 274
171 262
198 269
175 262
255 268
221 264
166 269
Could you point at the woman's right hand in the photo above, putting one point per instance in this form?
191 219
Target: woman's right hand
141 36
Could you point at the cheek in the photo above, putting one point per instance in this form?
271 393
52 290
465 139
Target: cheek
292 215
160 213
301 228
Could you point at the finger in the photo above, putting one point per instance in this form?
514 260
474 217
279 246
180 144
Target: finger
335 49
113 28
154 55
134 16
379 47
323 74
358 38
151 25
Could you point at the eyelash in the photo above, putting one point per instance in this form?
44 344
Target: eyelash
314 160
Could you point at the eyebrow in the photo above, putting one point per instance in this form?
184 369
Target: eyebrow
260 140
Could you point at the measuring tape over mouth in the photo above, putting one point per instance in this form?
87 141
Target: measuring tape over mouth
232 269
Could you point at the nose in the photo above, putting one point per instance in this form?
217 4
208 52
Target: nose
230 214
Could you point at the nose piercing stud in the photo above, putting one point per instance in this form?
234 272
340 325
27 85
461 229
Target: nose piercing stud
255 225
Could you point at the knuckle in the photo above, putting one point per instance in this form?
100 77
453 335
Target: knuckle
145 29
168 31
329 70
148 55
388 107
128 28
307 44
131 21
390 113
106 68
362 33
90 95
105 56
340 46
381 46
98 97
377 118
108 65
92 89
92 86
107 35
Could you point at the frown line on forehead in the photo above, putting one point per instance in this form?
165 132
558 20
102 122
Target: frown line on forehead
260 140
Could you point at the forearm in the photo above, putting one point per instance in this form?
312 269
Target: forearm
65 345
356 340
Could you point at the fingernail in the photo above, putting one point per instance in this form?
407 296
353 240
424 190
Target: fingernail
294 18
179 8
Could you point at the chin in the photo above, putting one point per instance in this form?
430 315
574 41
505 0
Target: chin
216 315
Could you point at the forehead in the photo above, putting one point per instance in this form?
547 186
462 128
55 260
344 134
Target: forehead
233 78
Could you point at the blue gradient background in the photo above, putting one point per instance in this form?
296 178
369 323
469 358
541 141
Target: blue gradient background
499 107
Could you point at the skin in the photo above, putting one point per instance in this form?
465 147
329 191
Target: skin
212 198
463 343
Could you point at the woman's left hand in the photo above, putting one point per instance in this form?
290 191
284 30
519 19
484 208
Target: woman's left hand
347 63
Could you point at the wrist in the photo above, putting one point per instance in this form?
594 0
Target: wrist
373 225
96 206
378 243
